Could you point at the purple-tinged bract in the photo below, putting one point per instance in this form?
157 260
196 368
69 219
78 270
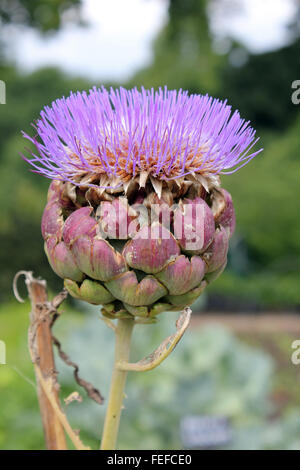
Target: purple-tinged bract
136 219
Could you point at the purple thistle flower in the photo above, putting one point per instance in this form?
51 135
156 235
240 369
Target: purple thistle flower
155 229
121 133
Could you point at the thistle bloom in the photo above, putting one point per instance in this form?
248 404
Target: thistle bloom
136 219
119 134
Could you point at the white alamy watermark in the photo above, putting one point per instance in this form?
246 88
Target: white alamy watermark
181 221
2 92
295 357
2 352
296 94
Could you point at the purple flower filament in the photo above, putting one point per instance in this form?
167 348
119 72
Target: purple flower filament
121 133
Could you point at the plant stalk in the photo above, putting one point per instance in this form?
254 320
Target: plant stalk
116 394
53 429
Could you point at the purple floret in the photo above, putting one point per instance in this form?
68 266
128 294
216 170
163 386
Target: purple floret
121 133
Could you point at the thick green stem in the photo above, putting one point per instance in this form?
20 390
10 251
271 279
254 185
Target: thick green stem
116 394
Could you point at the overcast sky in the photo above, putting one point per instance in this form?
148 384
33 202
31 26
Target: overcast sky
118 39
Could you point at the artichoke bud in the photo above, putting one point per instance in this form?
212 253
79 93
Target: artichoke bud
138 258
136 218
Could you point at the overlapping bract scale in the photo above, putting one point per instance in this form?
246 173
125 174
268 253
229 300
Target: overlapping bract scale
151 269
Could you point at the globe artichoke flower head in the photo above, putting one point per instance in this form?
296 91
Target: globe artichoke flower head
136 218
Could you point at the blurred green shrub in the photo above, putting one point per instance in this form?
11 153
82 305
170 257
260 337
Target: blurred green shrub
210 372
261 88
265 253
44 15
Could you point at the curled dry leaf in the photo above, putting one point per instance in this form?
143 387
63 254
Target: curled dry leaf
164 349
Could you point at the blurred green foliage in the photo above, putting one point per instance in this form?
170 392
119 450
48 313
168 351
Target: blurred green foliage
261 89
265 252
17 390
44 15
183 55
211 372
